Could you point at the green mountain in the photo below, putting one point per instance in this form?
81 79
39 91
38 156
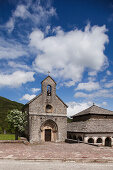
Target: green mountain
5 106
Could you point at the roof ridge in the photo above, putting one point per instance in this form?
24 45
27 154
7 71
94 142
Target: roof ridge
91 110
49 77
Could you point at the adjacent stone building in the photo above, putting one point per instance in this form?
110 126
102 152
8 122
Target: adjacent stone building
93 125
47 115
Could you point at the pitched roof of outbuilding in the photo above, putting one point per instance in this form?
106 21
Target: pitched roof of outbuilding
94 110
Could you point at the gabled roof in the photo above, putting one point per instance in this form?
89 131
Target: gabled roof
50 78
33 99
94 110
61 100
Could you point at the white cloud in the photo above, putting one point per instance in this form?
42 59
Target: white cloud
109 84
104 79
100 93
10 49
92 73
88 86
108 73
69 83
18 65
16 79
74 107
104 104
28 97
67 54
34 90
33 12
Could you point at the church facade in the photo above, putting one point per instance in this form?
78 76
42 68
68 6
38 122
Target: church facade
47 115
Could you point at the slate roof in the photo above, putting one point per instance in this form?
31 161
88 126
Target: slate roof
94 110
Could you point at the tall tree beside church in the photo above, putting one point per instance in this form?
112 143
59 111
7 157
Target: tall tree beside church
17 120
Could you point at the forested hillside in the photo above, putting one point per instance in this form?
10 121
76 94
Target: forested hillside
5 106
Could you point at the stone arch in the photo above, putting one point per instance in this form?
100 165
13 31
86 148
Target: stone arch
90 140
108 141
99 140
49 130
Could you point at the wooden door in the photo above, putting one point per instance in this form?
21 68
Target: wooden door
47 134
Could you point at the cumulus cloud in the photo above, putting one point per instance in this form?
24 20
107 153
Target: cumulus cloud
16 79
33 12
74 107
68 54
34 90
100 93
28 97
88 86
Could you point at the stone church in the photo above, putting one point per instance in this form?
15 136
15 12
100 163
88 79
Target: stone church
47 115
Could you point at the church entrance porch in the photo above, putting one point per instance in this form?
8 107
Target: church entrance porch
49 131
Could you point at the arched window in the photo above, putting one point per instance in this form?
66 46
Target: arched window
49 90
99 140
90 140
74 137
79 138
49 109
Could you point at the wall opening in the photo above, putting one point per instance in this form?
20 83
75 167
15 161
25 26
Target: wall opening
90 140
49 131
74 137
108 141
99 140
49 108
47 135
49 90
79 138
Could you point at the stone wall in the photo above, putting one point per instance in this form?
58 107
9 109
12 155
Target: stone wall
35 123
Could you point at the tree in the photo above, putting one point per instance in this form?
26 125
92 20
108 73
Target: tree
17 120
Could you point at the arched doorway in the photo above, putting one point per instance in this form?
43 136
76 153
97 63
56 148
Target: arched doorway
108 141
49 130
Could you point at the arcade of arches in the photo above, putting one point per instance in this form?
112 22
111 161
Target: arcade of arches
104 141
49 131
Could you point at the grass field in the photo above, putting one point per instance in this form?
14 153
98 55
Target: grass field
7 137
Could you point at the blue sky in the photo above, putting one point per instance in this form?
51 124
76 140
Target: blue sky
71 39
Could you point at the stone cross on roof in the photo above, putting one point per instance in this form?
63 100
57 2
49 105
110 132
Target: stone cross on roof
48 73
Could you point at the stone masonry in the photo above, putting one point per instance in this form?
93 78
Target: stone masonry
47 115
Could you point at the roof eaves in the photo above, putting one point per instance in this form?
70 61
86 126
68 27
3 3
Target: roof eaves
62 101
33 99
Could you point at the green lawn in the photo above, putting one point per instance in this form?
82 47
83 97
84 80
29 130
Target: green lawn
7 137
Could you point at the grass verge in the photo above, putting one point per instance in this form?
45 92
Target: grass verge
7 137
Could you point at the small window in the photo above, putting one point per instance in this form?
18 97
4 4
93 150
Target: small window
49 108
48 90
